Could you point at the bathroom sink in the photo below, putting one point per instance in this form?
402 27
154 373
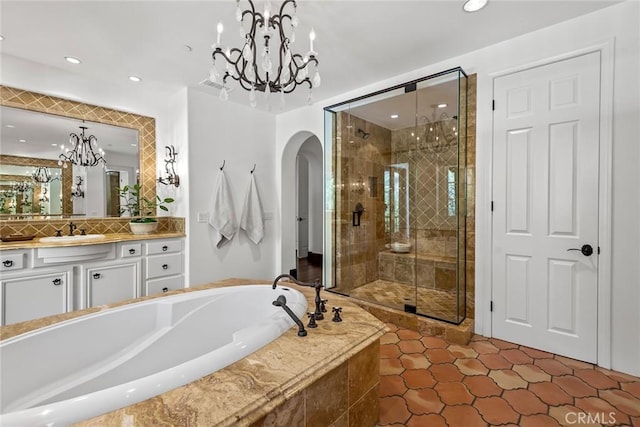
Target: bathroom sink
71 239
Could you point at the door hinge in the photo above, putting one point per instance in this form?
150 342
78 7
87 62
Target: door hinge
492 206
491 306
493 105
598 250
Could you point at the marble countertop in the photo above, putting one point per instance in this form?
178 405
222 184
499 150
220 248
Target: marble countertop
109 238
247 390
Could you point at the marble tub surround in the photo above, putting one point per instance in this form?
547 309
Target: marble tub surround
48 227
268 386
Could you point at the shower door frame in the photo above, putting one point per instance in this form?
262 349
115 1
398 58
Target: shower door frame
329 271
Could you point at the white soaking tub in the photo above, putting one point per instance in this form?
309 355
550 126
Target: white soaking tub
90 365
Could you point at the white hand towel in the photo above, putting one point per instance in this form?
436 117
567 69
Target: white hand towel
251 220
221 213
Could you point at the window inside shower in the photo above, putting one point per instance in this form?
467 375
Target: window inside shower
401 244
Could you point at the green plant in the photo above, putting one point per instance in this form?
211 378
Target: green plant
138 206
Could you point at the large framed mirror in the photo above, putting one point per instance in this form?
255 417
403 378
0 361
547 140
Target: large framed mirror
36 127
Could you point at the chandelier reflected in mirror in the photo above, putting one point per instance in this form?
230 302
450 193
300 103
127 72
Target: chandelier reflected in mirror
265 62
41 175
440 132
84 151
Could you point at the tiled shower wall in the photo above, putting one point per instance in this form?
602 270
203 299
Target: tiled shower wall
359 173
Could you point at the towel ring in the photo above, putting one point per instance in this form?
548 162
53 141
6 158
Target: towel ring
223 162
254 168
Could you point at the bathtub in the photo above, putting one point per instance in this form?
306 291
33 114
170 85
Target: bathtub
90 365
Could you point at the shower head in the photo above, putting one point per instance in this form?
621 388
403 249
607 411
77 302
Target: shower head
362 134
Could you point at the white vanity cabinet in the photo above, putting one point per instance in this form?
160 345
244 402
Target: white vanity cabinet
44 281
33 294
106 284
164 270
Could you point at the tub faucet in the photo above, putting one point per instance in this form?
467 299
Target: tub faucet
72 227
281 301
317 286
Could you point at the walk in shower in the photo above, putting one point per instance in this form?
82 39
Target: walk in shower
396 197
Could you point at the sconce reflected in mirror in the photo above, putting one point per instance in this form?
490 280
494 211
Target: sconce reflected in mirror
170 177
78 192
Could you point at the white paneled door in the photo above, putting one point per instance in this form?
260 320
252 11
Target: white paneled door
545 205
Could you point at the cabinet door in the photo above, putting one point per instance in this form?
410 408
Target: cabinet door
32 296
111 283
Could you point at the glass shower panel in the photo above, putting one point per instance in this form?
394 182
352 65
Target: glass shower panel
439 207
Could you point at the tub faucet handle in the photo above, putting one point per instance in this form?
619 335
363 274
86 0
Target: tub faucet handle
312 320
336 314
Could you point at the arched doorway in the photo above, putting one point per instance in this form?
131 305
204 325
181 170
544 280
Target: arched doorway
302 208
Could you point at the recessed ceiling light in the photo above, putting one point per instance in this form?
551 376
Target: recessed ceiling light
9 126
1 38
72 60
443 105
474 5
394 116
134 78
22 140
54 145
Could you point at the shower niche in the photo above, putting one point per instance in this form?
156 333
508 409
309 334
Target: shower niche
396 197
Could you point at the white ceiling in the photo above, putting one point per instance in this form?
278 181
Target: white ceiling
359 42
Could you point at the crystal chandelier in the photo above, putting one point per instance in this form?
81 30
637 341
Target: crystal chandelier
41 175
439 132
252 65
84 152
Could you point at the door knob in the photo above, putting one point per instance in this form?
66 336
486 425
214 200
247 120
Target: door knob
300 219
586 250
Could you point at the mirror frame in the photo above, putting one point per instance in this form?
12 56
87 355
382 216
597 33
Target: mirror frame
146 126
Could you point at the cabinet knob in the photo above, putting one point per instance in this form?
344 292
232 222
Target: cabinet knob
97 275
57 282
7 263
132 251
165 289
165 248
165 266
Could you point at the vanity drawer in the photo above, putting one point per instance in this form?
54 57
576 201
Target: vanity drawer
166 284
11 261
128 250
164 246
164 265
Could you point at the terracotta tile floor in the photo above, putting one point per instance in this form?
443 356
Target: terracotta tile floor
425 381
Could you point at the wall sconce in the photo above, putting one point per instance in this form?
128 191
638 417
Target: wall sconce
170 178
78 192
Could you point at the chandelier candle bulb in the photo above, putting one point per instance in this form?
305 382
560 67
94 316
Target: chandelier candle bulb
220 30
312 37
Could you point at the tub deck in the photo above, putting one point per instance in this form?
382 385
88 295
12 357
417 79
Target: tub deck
267 382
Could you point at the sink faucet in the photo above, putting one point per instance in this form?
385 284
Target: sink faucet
320 308
72 227
281 301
